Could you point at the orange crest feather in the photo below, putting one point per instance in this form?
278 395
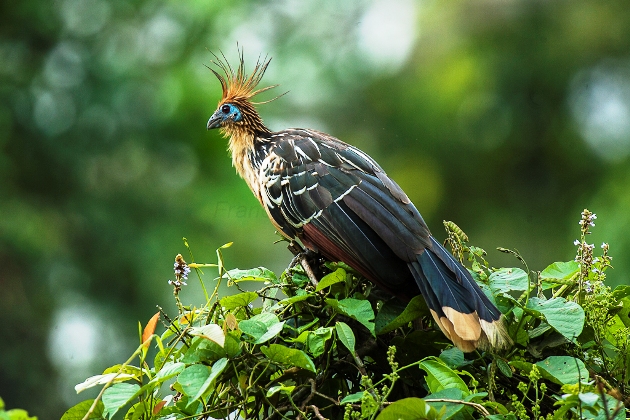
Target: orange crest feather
238 85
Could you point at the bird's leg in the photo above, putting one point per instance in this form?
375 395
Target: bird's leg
301 257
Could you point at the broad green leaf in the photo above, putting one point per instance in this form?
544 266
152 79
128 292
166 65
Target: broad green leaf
559 273
262 327
564 316
273 331
504 367
621 292
564 369
233 344
116 396
352 398
216 370
505 280
522 366
316 340
102 380
450 409
612 405
212 332
192 379
79 411
337 276
624 313
360 310
16 414
346 335
393 314
440 376
453 357
588 398
169 370
253 274
280 388
408 409
239 300
287 356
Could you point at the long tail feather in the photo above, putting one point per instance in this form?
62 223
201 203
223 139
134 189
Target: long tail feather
460 308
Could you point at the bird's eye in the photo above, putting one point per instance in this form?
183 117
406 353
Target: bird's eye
225 109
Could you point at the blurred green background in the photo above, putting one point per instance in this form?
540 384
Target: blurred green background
508 117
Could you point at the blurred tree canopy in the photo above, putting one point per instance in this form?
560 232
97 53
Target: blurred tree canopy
507 117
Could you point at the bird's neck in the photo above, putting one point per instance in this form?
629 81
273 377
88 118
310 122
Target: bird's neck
242 145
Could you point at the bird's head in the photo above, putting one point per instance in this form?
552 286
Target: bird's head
236 115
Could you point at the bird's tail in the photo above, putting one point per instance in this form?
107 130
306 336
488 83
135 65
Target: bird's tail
461 309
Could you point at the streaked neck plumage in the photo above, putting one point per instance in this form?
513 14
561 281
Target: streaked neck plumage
243 136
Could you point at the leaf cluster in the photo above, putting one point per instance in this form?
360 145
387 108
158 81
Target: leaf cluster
321 343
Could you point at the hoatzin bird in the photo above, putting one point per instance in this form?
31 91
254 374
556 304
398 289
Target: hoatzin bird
339 202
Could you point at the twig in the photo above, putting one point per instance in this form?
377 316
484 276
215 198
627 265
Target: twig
317 413
309 272
476 406
300 255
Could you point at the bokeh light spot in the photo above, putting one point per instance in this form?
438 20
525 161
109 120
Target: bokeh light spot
64 67
600 104
55 112
387 33
85 17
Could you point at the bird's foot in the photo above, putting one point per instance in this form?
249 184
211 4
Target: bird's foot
302 256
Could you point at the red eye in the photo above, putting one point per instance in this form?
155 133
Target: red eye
225 109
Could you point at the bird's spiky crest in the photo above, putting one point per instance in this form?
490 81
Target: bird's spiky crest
238 85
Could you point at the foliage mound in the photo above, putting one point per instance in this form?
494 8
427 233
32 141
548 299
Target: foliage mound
319 342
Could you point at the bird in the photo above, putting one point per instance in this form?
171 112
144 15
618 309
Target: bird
338 201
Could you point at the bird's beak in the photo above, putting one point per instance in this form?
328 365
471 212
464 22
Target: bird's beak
215 120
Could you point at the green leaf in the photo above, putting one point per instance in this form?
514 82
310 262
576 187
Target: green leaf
346 335
316 340
288 357
393 314
238 301
116 396
621 292
16 414
262 327
253 274
564 316
169 370
352 398
280 388
564 369
360 310
504 367
192 379
505 280
408 409
450 409
588 398
337 276
453 357
216 370
79 411
440 376
559 273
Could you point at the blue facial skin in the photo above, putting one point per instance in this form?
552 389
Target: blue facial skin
224 113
